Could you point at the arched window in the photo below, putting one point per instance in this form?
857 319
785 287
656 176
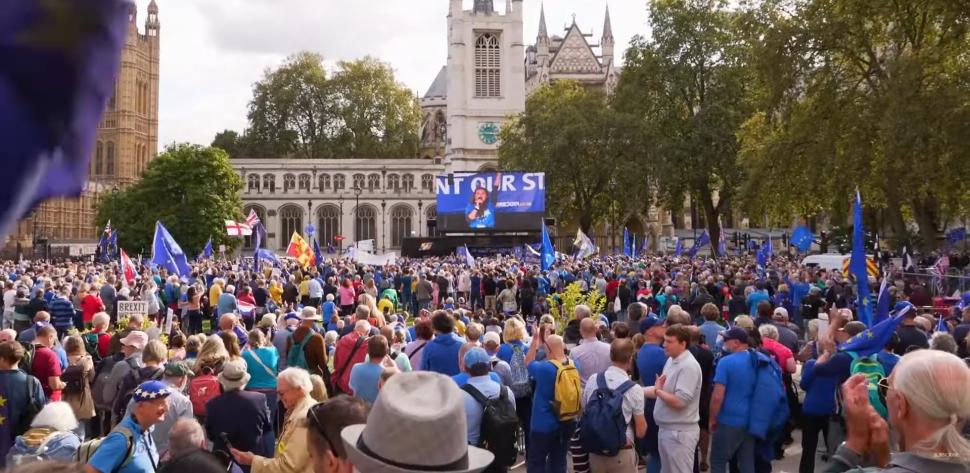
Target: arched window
339 182
269 182
365 223
442 125
431 214
99 159
394 182
291 221
488 168
358 181
109 167
408 182
401 219
249 242
328 224
427 182
324 181
488 66
305 182
289 182
253 181
374 182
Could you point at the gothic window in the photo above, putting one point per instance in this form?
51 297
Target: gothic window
408 182
324 181
429 215
289 182
269 182
291 221
305 182
358 181
427 182
442 125
253 180
373 182
393 182
109 167
249 242
488 66
328 224
339 182
401 219
365 223
99 159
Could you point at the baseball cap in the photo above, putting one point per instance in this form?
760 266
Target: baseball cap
476 356
151 391
781 312
649 322
736 333
175 369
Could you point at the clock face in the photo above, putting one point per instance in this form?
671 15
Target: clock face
488 133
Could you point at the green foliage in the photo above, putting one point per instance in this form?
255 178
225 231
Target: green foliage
562 306
190 189
299 111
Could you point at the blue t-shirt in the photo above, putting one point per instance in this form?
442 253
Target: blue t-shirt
543 418
650 363
461 379
328 309
754 299
364 378
737 374
262 378
486 218
111 453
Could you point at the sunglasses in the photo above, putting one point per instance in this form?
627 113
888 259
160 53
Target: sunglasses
883 386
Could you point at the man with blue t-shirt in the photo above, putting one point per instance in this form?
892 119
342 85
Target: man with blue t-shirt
151 406
329 309
365 377
650 364
734 381
549 440
478 366
441 354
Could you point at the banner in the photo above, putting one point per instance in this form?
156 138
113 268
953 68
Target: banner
129 308
491 201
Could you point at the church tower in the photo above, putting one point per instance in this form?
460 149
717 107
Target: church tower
486 80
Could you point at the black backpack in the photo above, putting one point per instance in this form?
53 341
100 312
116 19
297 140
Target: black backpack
500 426
91 346
27 362
131 382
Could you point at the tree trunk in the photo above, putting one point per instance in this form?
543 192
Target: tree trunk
711 214
927 216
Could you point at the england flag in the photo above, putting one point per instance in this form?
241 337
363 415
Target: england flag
234 228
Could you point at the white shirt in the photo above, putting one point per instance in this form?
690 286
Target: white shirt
315 289
9 299
633 399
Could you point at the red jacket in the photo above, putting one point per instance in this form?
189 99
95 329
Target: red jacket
341 366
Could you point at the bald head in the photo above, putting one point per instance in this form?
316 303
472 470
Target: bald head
556 347
587 327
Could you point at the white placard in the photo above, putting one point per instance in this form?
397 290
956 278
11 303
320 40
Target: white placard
222 248
169 317
366 245
129 308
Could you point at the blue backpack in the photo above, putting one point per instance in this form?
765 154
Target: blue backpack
602 429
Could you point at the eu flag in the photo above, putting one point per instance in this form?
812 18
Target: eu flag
547 253
678 248
765 253
857 265
874 339
113 245
626 242
259 232
58 63
207 251
316 251
167 253
267 255
701 242
7 431
802 238
882 303
721 243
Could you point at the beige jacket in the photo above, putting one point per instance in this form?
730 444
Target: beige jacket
292 450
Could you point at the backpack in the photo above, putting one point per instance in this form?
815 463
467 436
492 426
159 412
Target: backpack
603 427
296 357
27 362
24 453
565 403
500 426
75 380
128 386
872 369
91 346
101 376
87 449
521 386
33 406
203 389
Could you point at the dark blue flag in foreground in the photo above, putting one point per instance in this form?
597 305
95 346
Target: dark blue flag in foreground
259 233
858 265
547 253
58 63
701 242
956 235
874 339
802 238
882 303
167 253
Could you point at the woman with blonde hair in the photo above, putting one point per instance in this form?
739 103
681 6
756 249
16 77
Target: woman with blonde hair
231 342
212 356
513 352
376 315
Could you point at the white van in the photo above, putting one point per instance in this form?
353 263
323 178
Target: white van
828 262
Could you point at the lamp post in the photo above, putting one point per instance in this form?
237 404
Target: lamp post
309 214
340 199
383 227
357 192
420 216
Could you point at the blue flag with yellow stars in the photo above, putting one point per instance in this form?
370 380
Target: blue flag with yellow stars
874 339
858 265
58 63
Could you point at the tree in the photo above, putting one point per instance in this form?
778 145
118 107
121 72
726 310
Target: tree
879 100
686 89
190 189
230 142
300 111
572 134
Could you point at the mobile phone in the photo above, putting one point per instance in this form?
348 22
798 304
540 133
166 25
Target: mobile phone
225 439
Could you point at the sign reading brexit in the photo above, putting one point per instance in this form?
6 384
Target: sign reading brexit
514 201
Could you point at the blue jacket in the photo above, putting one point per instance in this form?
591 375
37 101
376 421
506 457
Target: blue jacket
769 396
441 355
819 391
243 416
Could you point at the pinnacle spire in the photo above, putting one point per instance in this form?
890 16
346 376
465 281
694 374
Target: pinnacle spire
543 33
484 6
608 25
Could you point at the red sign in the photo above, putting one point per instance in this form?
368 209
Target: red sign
339 238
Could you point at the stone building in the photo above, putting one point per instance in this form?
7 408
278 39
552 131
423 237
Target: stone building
127 140
571 57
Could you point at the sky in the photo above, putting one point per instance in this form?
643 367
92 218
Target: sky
212 51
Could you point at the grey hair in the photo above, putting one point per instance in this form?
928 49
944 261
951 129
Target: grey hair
944 342
186 435
331 337
101 319
582 311
297 378
362 326
155 351
136 320
768 331
56 415
934 383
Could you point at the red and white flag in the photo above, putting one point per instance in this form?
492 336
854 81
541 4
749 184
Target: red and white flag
252 220
127 268
234 228
246 309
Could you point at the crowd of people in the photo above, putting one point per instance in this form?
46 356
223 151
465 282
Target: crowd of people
691 365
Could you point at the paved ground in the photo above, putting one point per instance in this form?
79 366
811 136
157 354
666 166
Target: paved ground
789 464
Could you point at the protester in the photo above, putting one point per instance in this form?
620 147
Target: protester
46 366
549 435
734 382
261 361
116 454
324 422
350 351
187 451
479 390
306 348
23 393
650 362
441 355
77 382
176 377
364 377
678 394
152 368
51 437
239 418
